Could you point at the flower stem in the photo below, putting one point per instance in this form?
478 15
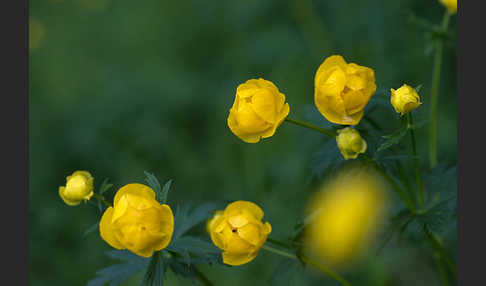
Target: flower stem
306 259
101 199
416 162
434 93
311 126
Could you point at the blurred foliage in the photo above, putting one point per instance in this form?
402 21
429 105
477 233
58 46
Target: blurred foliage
120 87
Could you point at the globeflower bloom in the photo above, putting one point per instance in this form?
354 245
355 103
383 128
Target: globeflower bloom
405 99
342 90
137 221
259 108
450 4
79 187
350 143
239 232
344 216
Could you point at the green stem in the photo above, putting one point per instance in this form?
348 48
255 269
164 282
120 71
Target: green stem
437 245
434 93
306 259
416 162
392 183
101 199
278 242
202 278
313 127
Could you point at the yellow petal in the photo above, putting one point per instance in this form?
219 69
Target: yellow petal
240 206
264 105
281 117
248 121
107 231
134 189
237 220
235 244
354 101
251 233
67 200
238 259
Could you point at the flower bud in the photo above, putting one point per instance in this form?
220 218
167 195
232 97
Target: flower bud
350 143
79 187
137 221
239 232
450 4
404 99
259 108
342 90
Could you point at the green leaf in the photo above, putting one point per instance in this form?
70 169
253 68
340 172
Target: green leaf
398 224
396 136
161 194
325 160
187 217
418 87
117 273
104 186
195 250
165 191
154 276
91 229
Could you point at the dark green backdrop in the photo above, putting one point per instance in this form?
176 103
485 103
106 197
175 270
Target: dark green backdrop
118 87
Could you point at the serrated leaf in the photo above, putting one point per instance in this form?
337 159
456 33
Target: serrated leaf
91 229
117 273
154 276
104 186
165 191
187 217
160 194
398 223
195 250
325 160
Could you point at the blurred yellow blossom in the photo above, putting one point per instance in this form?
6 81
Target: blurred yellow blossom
350 143
404 99
137 221
450 4
239 231
343 216
259 108
79 187
342 90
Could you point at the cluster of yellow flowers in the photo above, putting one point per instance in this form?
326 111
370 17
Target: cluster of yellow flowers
139 223
341 92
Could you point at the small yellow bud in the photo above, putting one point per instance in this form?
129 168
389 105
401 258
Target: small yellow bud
450 4
350 143
239 232
404 99
342 90
259 108
79 187
137 221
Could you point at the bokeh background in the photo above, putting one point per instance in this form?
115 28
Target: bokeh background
119 87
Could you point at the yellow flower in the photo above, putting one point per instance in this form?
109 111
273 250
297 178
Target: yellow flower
239 231
344 215
259 108
137 221
450 4
79 187
404 99
350 143
342 90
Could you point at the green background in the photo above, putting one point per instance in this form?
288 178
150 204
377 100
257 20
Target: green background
119 87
